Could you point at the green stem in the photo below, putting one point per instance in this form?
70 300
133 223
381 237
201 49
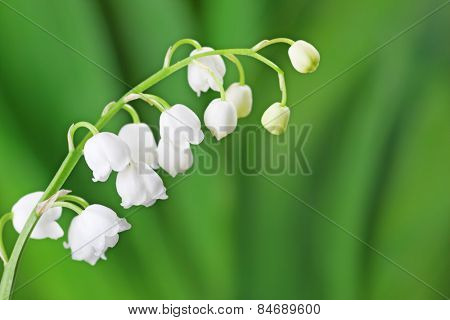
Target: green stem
132 112
68 205
175 46
266 43
74 155
74 127
3 220
156 101
78 200
239 66
134 115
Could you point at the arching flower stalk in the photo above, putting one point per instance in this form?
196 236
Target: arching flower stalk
135 154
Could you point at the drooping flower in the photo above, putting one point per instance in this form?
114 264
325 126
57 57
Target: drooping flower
181 126
141 142
199 77
139 184
174 158
276 118
46 227
220 117
304 57
105 152
93 232
241 97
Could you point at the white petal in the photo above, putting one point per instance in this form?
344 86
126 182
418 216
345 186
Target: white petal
155 188
22 209
241 97
105 152
94 231
116 151
181 126
96 159
51 230
199 77
220 117
174 159
130 187
46 227
141 142
139 185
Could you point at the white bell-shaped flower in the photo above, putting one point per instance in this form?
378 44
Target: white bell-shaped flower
304 57
105 152
46 227
141 142
93 232
241 97
199 77
174 159
138 184
221 118
181 126
276 118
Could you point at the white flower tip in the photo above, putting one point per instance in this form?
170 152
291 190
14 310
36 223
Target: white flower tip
126 204
304 57
163 196
66 245
124 225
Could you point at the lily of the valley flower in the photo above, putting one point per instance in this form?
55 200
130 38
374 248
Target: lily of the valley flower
221 118
105 152
181 126
199 77
46 227
241 97
173 158
141 142
304 57
93 232
139 185
276 118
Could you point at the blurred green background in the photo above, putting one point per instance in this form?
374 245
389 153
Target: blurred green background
379 150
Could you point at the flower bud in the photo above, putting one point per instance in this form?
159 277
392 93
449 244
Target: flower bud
46 227
139 185
304 57
221 118
141 142
93 232
199 78
241 97
105 152
275 119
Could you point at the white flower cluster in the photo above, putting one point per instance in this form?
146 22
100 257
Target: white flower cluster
135 155
91 233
